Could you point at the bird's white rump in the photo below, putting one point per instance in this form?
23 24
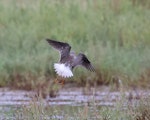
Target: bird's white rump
63 70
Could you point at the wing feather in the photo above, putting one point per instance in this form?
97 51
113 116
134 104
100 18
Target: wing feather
63 48
83 61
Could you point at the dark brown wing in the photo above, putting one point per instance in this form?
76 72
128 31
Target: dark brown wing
64 48
82 60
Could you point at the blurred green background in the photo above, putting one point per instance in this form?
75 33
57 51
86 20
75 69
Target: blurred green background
114 34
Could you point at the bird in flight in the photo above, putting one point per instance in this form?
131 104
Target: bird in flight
68 59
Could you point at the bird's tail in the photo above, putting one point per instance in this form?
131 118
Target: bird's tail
63 70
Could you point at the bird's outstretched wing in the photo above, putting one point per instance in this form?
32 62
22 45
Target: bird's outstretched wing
83 61
63 48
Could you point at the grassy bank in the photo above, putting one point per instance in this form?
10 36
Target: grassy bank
115 35
41 111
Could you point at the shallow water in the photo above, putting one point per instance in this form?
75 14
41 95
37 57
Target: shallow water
12 100
71 96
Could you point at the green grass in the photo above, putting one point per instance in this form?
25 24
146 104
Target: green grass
41 111
113 34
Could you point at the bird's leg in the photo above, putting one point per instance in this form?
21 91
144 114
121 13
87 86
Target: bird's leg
62 82
56 80
59 80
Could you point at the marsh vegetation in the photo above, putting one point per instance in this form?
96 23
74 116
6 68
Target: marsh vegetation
72 104
115 35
